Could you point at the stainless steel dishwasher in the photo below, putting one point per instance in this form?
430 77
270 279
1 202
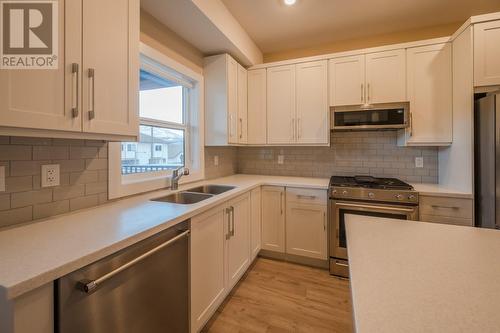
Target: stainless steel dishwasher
141 289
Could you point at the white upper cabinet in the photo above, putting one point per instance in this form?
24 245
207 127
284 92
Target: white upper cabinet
347 80
487 54
109 61
429 74
103 36
281 105
52 93
386 77
225 101
257 108
312 103
242 105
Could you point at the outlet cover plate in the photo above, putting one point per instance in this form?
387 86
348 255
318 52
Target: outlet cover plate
419 162
50 175
2 178
216 160
281 159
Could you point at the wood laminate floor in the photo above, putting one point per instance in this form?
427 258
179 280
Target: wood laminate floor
276 296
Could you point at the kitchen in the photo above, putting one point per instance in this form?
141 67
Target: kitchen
249 166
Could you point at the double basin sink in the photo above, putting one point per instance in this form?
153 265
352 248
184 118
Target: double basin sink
195 194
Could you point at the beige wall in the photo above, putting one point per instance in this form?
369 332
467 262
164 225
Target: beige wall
373 41
158 36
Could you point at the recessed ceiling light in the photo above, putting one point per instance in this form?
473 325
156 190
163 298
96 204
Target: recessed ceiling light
289 2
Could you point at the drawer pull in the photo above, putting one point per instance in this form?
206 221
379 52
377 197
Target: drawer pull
301 196
446 207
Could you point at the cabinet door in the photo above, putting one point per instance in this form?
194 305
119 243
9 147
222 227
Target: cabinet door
386 77
232 100
281 104
273 218
238 244
306 230
44 99
430 94
110 66
487 53
207 265
256 218
312 102
257 122
242 105
347 80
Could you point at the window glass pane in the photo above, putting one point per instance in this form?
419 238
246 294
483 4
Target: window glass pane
158 149
160 99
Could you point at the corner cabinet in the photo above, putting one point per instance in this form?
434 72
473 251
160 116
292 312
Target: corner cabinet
487 53
225 101
429 73
94 91
297 104
220 255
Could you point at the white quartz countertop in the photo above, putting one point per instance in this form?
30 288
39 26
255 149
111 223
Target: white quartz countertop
35 254
423 277
440 191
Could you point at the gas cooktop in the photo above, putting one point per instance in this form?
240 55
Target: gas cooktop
370 182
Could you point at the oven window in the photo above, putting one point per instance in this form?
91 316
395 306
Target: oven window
370 117
342 212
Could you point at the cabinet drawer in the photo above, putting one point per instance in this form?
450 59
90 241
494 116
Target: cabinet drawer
449 207
446 220
306 195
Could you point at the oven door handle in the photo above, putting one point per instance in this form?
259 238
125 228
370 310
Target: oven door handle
408 210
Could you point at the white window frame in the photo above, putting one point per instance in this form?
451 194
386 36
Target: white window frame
123 185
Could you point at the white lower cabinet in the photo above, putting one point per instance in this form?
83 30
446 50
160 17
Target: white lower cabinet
256 221
220 255
273 218
306 224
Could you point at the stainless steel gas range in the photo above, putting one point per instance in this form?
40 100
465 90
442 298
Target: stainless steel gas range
368 196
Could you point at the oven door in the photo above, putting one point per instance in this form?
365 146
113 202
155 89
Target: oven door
338 210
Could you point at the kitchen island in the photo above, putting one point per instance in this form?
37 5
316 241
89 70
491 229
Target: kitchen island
411 276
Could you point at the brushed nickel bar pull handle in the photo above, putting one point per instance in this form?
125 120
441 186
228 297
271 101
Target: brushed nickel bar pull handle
447 207
293 128
362 92
75 71
368 92
228 212
89 286
409 210
91 75
411 124
232 221
299 128
281 202
324 221
301 196
241 128
338 263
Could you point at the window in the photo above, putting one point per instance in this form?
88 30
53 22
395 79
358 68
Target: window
170 132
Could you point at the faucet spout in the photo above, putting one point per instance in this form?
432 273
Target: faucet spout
176 176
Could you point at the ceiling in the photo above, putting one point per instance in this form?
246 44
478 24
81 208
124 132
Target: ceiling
275 27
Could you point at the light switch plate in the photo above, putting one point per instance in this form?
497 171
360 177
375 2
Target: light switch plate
50 175
419 162
2 178
281 159
216 160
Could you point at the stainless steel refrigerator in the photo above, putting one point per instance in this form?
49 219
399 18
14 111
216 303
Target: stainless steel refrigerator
487 160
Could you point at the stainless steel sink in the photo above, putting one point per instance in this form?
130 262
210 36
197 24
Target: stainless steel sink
184 198
211 189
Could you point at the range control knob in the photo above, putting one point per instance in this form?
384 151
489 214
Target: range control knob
371 195
399 196
344 192
411 197
334 192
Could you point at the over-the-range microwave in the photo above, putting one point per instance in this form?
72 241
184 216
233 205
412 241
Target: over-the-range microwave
370 117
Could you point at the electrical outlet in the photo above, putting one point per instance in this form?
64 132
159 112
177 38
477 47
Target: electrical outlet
281 159
2 178
50 175
216 160
419 162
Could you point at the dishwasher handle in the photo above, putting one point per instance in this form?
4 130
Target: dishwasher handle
89 286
